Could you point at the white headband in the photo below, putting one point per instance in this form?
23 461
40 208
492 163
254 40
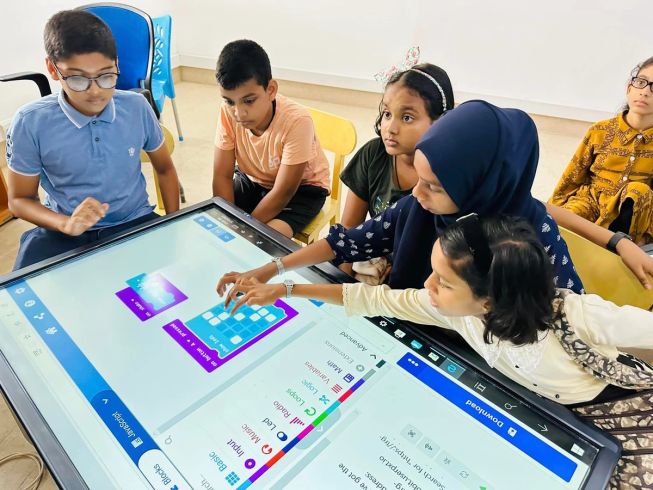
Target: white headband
435 82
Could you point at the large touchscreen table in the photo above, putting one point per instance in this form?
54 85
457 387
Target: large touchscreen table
136 371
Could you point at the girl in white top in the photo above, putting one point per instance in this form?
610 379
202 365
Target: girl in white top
492 283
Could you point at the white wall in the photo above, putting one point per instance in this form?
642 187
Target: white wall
334 41
567 58
21 38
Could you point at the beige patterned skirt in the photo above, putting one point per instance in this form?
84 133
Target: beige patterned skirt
630 420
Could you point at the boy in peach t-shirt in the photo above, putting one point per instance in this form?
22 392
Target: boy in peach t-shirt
282 177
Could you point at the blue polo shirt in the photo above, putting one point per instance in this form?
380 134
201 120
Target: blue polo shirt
78 156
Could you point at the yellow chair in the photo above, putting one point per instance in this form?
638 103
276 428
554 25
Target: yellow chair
169 141
5 214
603 273
337 135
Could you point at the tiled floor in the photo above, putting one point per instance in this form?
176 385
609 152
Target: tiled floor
198 105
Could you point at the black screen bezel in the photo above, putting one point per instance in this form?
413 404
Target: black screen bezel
64 471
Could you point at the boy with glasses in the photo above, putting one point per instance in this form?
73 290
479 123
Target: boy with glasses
83 147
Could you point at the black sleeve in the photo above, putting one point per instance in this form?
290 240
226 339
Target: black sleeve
356 174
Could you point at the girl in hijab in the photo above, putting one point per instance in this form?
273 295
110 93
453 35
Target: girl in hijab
476 158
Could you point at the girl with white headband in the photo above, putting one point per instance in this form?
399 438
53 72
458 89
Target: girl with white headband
382 170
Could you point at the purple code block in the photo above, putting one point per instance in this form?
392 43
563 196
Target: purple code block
150 294
203 355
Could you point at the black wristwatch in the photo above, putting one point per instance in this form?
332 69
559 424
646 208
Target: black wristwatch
612 243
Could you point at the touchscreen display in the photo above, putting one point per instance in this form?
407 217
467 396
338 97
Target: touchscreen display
147 382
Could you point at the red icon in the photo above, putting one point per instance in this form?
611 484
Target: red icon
336 388
266 449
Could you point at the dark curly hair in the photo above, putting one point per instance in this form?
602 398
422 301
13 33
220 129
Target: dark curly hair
423 87
518 284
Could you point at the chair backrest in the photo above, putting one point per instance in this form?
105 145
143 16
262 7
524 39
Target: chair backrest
337 135
169 141
161 69
38 78
133 32
603 273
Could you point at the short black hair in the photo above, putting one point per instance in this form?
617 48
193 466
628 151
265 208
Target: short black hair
240 61
519 283
424 88
72 32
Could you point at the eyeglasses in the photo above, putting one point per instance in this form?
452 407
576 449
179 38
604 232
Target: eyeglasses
640 83
79 83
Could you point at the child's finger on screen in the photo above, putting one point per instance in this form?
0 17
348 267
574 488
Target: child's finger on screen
235 293
243 299
224 281
230 297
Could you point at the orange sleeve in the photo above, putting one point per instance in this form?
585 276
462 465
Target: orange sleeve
225 136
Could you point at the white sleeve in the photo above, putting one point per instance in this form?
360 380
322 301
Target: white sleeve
404 304
609 324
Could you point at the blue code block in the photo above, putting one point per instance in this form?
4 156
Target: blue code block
225 333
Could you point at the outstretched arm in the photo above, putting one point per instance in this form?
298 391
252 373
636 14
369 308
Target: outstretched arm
359 299
632 256
315 253
374 238
253 292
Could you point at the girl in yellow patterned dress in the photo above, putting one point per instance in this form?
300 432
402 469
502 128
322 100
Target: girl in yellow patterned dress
608 181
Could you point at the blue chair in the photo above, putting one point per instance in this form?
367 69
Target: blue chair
162 84
134 34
